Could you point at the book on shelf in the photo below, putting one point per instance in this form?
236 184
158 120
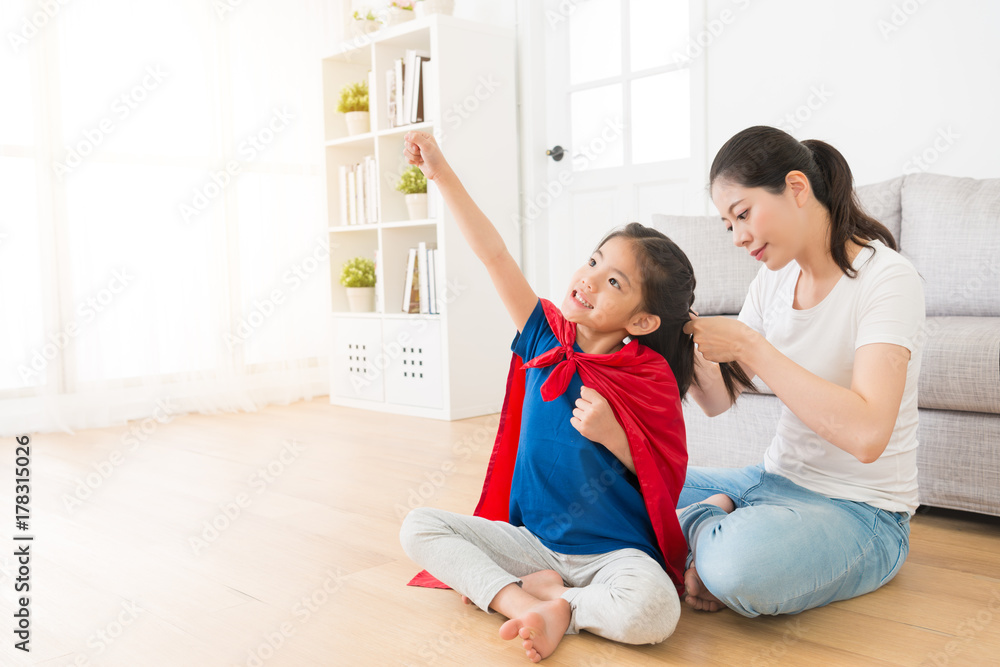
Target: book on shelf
420 281
398 72
359 193
422 274
352 200
411 286
344 214
417 103
405 86
359 190
432 281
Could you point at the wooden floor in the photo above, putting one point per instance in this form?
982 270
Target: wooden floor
271 539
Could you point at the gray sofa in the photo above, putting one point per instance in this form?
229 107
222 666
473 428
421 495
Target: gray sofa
950 229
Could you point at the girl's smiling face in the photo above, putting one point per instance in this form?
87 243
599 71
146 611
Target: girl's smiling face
605 294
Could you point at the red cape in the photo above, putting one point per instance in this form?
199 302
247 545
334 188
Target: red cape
641 389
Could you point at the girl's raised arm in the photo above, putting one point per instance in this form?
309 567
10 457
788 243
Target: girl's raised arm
513 288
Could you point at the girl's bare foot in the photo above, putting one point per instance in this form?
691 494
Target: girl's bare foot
541 628
544 585
697 595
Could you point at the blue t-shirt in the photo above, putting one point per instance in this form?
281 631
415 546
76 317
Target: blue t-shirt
572 493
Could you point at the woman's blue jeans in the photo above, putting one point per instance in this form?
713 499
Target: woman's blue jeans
785 548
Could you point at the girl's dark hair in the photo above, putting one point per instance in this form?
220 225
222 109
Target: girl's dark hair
668 292
761 157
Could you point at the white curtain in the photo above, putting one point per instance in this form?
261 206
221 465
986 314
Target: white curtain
163 234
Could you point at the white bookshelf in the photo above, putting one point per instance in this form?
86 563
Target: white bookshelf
451 365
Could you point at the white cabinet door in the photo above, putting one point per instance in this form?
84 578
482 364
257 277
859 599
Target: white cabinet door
358 364
412 349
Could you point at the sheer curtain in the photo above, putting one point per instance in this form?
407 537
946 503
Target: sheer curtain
163 236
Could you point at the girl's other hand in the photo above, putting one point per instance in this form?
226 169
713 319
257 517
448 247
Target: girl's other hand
594 418
421 149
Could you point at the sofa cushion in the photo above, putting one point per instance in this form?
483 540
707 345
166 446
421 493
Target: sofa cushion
882 201
951 233
961 365
723 272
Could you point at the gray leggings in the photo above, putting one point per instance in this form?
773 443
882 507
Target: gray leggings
622 595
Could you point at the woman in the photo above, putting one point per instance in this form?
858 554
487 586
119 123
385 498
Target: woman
832 325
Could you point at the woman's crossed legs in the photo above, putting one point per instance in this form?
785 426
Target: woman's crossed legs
783 548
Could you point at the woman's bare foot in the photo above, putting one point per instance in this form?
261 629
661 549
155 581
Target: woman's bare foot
697 595
723 501
541 628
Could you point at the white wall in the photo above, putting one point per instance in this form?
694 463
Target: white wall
898 77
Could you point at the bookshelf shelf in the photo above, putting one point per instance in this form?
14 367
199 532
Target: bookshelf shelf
420 363
403 129
365 138
409 223
353 228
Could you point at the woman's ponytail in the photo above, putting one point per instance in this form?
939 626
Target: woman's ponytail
848 220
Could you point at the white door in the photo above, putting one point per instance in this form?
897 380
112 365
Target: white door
624 98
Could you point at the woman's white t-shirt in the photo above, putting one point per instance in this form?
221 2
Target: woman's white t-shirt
884 303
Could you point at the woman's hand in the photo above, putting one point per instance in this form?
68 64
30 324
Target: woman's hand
595 420
421 149
720 338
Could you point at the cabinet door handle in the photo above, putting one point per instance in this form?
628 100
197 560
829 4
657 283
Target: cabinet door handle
556 153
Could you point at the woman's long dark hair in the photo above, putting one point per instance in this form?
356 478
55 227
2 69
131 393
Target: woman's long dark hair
667 292
761 157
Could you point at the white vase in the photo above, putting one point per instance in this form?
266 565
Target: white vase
365 27
358 122
416 205
395 16
361 299
428 7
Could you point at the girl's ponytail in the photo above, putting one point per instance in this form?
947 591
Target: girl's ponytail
736 380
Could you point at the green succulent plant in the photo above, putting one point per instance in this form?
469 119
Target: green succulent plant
353 97
370 16
412 181
358 272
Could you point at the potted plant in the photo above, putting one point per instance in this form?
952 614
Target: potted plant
398 12
413 184
358 276
365 23
354 104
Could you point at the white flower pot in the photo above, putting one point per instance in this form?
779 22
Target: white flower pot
361 299
395 16
365 27
416 205
428 7
358 122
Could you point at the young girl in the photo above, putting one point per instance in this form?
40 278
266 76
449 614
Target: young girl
586 535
